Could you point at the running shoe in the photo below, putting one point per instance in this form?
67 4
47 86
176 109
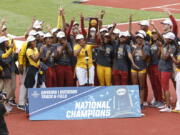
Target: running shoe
12 102
166 109
21 107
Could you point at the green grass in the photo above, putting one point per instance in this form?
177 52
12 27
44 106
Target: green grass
20 12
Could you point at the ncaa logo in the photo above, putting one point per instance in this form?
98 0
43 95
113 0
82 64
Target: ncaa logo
35 94
121 92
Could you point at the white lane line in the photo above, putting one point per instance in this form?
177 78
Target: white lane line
157 19
175 9
161 6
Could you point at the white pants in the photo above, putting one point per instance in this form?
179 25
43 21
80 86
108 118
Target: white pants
178 91
82 77
23 90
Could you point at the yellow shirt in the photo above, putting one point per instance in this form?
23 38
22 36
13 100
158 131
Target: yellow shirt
22 55
178 69
32 52
81 58
149 33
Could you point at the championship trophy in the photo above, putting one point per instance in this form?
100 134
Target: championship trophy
92 30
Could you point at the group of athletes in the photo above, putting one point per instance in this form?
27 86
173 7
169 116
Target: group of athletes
71 55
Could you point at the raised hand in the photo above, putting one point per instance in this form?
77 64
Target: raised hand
102 12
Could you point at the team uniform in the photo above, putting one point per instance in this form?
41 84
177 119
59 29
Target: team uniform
64 69
120 64
154 72
32 69
82 65
104 64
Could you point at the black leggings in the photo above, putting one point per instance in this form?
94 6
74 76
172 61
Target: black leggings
30 77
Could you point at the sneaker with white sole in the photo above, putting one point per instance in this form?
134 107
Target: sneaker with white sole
21 107
145 104
162 106
166 109
12 102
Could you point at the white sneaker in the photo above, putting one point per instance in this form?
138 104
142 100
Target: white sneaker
145 104
162 106
166 109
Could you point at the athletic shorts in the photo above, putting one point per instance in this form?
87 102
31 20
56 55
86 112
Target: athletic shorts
138 71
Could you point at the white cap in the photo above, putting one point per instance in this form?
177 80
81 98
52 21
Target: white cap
48 35
140 35
93 29
116 31
61 34
142 32
37 24
127 33
30 39
169 35
54 30
79 36
32 33
123 34
3 39
40 33
167 21
4 27
145 23
103 30
110 26
75 23
37 27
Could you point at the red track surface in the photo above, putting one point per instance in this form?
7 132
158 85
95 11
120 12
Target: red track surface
137 4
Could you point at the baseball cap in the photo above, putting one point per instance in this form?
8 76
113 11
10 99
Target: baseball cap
142 32
167 21
40 33
3 39
140 35
48 35
33 33
37 24
30 39
116 31
103 30
110 26
144 23
79 36
54 30
169 35
61 34
123 34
